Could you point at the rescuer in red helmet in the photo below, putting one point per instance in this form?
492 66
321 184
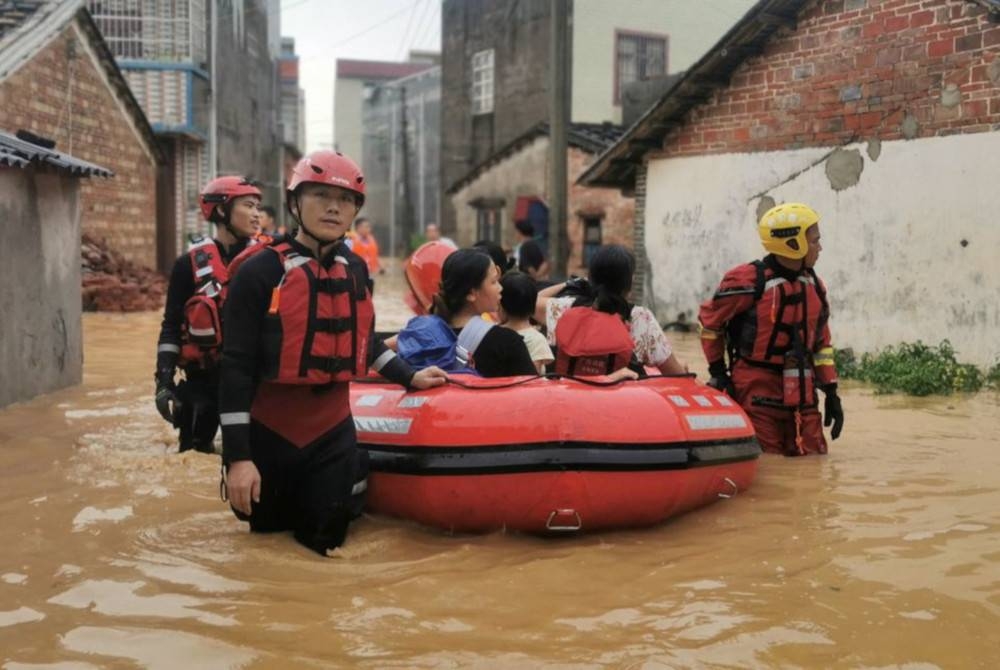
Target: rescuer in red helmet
191 333
300 326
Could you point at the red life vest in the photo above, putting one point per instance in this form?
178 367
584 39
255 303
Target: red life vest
201 332
590 342
319 323
787 318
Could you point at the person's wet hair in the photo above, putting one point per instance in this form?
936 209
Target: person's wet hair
496 252
611 269
462 271
519 294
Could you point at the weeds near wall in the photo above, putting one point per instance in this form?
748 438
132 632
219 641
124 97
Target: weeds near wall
917 369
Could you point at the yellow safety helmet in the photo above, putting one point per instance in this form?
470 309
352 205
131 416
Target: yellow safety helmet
783 228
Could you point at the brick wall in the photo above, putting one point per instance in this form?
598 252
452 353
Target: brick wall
61 94
857 69
617 213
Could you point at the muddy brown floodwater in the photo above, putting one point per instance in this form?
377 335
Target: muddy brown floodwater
117 552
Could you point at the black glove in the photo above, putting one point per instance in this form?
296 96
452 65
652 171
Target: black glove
167 403
833 412
720 380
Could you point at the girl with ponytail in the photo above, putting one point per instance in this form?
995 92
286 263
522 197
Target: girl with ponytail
611 270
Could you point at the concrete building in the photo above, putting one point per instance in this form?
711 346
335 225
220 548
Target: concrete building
41 344
247 97
511 186
400 156
354 84
293 98
883 116
495 66
209 119
59 81
162 49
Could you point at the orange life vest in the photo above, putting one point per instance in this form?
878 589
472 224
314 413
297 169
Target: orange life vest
367 250
319 322
589 342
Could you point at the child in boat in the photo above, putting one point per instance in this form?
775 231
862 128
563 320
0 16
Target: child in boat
517 305
470 288
611 270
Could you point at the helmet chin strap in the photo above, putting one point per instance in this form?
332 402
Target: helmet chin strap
228 224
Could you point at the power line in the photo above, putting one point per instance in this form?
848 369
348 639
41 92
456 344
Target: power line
409 23
421 32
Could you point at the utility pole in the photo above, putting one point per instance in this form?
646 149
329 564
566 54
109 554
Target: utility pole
407 222
560 90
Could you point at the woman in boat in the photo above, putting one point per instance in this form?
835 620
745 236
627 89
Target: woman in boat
470 287
611 270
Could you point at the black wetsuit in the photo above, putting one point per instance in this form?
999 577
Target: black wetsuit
197 393
300 437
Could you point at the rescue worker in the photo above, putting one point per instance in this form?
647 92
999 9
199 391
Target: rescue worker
190 336
771 317
364 244
299 326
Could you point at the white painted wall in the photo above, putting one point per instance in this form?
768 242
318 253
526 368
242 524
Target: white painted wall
347 129
892 255
692 27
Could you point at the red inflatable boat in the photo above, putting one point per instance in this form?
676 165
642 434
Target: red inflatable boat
542 455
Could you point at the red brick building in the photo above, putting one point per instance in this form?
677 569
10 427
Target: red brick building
881 114
58 80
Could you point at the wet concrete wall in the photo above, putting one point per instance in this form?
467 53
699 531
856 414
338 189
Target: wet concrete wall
909 234
40 337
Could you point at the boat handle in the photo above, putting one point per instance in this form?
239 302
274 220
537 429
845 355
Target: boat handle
736 489
577 525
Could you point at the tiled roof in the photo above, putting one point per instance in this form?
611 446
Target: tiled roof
15 12
18 153
590 137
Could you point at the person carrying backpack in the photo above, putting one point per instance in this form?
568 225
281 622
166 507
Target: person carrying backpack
299 326
456 336
771 317
597 331
191 331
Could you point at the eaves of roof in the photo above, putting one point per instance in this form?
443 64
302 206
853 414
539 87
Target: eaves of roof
17 153
617 166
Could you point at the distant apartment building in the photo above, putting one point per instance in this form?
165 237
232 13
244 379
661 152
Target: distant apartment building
355 82
165 50
400 155
293 98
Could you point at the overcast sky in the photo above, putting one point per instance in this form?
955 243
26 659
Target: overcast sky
325 30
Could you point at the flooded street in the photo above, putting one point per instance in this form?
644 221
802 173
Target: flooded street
117 552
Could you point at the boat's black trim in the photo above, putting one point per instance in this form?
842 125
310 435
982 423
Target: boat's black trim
553 456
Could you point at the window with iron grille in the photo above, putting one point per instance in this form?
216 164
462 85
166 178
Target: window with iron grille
638 56
482 82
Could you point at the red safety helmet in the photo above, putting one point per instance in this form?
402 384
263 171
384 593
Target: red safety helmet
221 191
423 273
329 167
